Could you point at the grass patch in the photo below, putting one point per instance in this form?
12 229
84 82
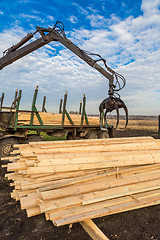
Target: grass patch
47 137
137 124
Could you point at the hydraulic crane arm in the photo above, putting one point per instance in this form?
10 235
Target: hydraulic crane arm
57 34
14 53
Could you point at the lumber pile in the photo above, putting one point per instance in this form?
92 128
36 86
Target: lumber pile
54 119
73 181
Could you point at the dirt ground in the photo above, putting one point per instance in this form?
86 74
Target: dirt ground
142 224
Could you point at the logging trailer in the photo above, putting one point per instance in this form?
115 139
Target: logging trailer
16 124
9 120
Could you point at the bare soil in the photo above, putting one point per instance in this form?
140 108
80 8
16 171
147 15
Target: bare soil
142 224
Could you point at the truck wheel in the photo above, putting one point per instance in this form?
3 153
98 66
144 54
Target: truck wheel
91 135
111 132
6 146
34 138
103 134
69 136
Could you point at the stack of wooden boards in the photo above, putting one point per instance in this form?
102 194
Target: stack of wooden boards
72 181
54 119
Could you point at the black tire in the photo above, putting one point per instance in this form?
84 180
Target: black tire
91 135
103 134
111 132
6 146
69 136
34 138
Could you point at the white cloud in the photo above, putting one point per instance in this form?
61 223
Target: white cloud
27 16
1 13
51 18
73 19
141 92
150 7
92 9
35 11
80 9
96 20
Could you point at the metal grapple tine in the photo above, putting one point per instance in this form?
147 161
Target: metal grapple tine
117 110
126 112
105 115
101 120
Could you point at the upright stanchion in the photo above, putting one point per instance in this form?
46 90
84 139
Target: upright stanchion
65 111
64 108
80 107
84 115
17 108
34 109
1 102
44 103
60 106
15 100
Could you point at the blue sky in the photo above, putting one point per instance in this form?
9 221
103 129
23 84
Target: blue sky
125 33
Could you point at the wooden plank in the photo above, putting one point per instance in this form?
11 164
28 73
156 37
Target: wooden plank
29 201
117 158
106 172
25 193
94 232
101 184
88 177
77 210
122 207
86 142
33 211
93 148
63 175
80 164
14 194
10 176
16 166
81 209
10 158
98 196
122 191
33 185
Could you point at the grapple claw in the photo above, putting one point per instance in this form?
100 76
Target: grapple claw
112 103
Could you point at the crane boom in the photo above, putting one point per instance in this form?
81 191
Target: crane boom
57 34
14 54
19 53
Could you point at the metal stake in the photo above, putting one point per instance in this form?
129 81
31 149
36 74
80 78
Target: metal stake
43 106
159 127
60 106
80 107
1 101
17 108
84 112
64 108
34 109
